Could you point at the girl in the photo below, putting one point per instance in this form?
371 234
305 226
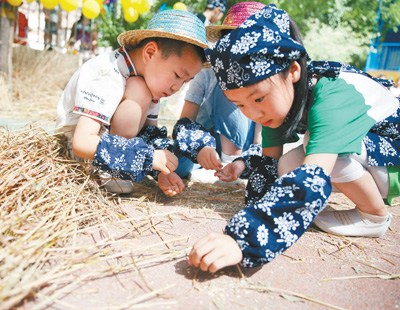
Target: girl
352 140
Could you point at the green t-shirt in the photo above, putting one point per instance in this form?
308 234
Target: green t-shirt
343 110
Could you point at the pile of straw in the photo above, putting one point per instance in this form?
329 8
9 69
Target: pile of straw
38 79
47 206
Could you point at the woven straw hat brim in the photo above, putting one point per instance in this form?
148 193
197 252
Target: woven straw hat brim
213 32
133 37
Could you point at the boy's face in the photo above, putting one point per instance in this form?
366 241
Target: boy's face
165 76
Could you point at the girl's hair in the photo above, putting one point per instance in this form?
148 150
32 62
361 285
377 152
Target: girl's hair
300 88
171 47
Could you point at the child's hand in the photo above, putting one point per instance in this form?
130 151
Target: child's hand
215 251
164 161
208 158
171 184
231 171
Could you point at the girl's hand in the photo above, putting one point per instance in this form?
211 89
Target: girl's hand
231 172
164 161
214 252
208 158
171 184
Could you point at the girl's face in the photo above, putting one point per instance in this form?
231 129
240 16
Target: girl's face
165 76
267 102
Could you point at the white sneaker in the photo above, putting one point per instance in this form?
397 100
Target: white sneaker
116 186
349 223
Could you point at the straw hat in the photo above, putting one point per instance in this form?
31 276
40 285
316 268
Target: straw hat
172 24
236 15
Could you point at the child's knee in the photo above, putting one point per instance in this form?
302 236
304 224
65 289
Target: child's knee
346 170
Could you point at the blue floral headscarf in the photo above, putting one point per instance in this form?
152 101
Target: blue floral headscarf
260 47
212 4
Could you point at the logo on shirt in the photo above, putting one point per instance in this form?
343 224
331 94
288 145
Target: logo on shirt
91 97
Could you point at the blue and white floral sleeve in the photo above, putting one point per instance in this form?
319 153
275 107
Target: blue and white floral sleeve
264 172
253 150
273 224
127 159
191 137
157 138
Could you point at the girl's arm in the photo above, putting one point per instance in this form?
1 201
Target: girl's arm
263 230
326 161
86 137
235 169
274 152
267 227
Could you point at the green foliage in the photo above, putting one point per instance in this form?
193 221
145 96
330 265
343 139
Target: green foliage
324 42
358 17
110 27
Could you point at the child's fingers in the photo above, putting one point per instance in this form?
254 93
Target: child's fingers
181 186
225 174
216 163
168 192
225 178
171 166
172 162
177 188
218 264
208 261
199 249
165 170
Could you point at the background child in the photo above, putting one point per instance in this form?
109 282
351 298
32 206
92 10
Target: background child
352 139
215 10
206 104
122 89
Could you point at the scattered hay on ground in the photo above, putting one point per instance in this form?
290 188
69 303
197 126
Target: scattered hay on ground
50 206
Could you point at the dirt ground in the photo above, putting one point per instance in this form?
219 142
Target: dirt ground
320 271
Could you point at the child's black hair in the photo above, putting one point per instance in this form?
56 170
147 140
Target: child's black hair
300 88
171 47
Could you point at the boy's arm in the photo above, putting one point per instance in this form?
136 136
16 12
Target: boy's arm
86 137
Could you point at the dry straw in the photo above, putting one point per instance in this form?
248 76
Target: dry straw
38 80
48 208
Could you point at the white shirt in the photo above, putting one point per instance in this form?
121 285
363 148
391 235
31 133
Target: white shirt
95 90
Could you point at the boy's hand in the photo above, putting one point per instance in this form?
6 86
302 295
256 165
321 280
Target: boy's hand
164 161
208 158
171 184
215 251
231 172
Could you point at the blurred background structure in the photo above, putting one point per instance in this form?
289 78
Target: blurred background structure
384 56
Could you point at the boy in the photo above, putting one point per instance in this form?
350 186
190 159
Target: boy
121 90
